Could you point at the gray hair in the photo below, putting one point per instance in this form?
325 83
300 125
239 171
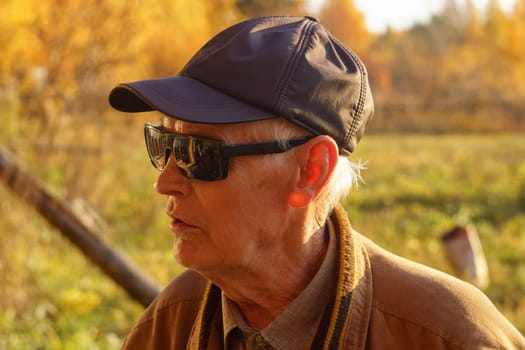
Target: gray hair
346 175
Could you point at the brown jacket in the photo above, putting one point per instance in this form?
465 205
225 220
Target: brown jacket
382 301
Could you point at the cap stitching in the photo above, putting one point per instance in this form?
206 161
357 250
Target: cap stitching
362 93
292 64
207 50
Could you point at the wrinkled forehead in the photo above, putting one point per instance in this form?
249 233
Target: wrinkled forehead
174 125
217 131
262 130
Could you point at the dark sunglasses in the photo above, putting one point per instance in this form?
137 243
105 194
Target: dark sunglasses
204 159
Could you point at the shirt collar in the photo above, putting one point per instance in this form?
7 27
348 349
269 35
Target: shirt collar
301 317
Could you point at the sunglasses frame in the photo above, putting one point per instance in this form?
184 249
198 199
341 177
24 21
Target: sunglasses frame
222 151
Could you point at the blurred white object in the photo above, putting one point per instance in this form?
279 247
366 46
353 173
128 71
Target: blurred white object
465 253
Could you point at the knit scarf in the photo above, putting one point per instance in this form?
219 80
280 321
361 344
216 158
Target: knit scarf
330 333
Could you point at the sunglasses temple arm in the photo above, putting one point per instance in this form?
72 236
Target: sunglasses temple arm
262 147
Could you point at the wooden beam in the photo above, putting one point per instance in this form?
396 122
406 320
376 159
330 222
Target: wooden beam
59 214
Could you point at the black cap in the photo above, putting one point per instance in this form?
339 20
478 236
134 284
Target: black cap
263 68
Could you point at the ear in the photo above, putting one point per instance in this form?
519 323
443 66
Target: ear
317 159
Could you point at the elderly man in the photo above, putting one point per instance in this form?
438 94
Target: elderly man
252 147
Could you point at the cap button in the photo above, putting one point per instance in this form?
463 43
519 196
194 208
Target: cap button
312 18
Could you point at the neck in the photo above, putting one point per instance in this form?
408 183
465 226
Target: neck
263 289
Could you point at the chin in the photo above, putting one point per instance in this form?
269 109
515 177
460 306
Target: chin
186 255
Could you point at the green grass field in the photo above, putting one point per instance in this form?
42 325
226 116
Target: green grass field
416 187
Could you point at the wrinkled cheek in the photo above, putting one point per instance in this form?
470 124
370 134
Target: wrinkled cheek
233 244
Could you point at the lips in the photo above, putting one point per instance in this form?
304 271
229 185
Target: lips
180 226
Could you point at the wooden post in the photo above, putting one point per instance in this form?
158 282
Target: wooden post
464 252
57 212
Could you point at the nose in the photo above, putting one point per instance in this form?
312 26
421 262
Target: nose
172 182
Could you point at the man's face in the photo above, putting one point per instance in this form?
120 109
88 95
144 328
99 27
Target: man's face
228 225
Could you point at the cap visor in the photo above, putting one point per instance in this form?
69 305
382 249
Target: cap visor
184 98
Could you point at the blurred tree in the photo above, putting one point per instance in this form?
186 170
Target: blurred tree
444 33
416 62
473 25
516 46
59 57
255 8
63 48
177 29
498 56
347 23
495 26
457 67
446 28
382 50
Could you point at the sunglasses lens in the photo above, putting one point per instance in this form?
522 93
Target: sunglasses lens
203 159
156 146
199 158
